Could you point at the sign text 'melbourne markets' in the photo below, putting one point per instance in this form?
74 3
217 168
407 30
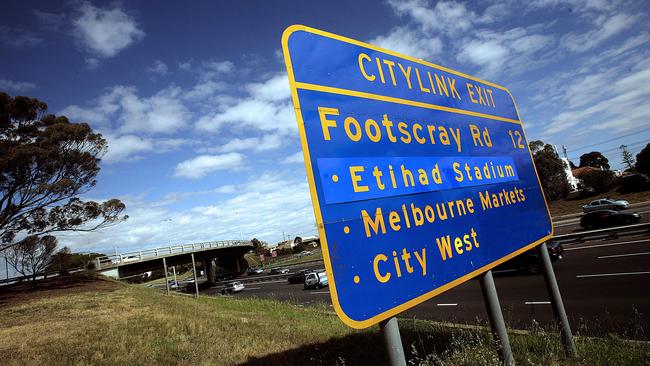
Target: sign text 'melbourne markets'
420 176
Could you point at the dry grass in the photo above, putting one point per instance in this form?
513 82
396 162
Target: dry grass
102 322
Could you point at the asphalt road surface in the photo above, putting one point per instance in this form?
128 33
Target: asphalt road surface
605 286
572 224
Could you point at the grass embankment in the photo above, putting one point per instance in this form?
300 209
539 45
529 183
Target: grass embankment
83 320
566 207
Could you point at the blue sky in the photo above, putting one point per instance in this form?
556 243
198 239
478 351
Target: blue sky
194 100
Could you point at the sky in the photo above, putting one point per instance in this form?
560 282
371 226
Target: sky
194 101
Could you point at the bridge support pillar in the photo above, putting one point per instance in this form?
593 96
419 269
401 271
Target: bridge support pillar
210 270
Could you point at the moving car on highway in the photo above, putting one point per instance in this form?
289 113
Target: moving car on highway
529 261
254 271
299 276
279 271
315 280
233 287
605 204
605 218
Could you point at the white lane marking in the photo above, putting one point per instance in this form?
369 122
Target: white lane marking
608 245
537 303
612 274
446 304
622 255
319 292
505 271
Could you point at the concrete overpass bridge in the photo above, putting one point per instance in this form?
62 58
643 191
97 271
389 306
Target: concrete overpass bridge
227 255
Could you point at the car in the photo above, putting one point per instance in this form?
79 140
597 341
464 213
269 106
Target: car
189 280
232 288
305 253
254 271
605 218
315 280
299 276
605 204
172 284
276 271
529 260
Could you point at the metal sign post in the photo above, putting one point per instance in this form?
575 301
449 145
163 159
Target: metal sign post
196 281
495 315
166 276
556 301
393 341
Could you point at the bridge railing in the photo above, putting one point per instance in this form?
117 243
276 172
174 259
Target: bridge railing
147 254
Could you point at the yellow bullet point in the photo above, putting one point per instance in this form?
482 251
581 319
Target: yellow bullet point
335 178
346 230
356 279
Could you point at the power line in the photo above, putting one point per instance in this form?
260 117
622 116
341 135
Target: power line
615 148
612 139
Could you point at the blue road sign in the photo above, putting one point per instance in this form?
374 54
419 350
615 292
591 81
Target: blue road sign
420 176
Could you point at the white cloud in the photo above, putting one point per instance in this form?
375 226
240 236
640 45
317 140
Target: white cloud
410 43
294 158
126 148
263 143
274 89
445 17
16 86
222 67
257 114
50 21
511 51
580 42
264 208
18 37
105 32
202 165
158 68
613 99
204 90
161 113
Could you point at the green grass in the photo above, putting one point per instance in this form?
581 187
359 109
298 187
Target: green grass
101 322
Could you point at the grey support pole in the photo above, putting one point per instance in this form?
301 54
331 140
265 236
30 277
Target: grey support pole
496 319
556 301
166 279
196 281
393 341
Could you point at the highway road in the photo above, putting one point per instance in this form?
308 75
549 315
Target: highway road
605 285
572 224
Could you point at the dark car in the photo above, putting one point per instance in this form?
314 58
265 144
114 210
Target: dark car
254 271
529 261
299 276
607 218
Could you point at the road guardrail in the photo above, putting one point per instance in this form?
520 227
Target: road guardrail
612 232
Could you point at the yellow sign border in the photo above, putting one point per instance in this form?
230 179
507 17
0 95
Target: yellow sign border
312 185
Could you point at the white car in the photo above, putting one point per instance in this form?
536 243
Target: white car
605 204
233 287
316 280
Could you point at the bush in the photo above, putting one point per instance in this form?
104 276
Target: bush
600 180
